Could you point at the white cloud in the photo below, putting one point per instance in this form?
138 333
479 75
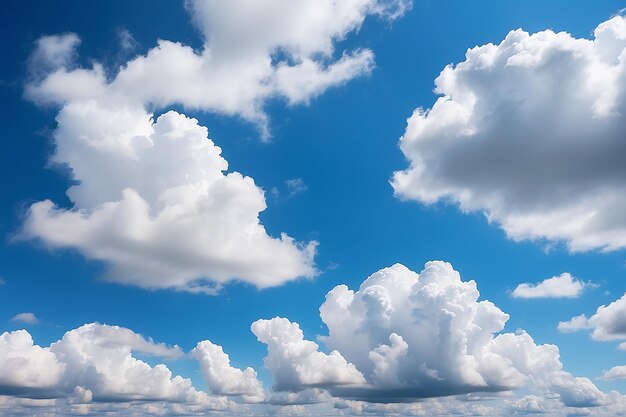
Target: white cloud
304 396
106 336
153 201
427 335
99 358
530 404
295 186
26 367
400 338
95 363
28 318
562 286
522 130
297 363
52 53
252 51
574 324
616 372
608 323
222 378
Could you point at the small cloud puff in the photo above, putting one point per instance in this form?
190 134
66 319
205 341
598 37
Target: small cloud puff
562 286
27 318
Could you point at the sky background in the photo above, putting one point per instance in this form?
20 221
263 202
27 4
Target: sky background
343 146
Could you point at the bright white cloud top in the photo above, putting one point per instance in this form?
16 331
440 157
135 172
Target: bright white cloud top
522 131
562 286
222 378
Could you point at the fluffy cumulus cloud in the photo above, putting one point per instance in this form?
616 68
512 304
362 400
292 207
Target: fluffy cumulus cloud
426 335
95 363
522 130
222 378
608 322
26 367
252 51
154 202
296 363
562 286
616 372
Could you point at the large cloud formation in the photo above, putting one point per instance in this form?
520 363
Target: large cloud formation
152 199
404 343
530 132
404 336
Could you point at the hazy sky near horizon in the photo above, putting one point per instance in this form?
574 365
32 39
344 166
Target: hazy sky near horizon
313 207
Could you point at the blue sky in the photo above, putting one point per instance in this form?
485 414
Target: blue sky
341 146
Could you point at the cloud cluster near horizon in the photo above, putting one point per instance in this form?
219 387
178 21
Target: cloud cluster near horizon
95 364
401 337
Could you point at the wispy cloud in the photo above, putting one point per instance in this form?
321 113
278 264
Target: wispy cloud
27 318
